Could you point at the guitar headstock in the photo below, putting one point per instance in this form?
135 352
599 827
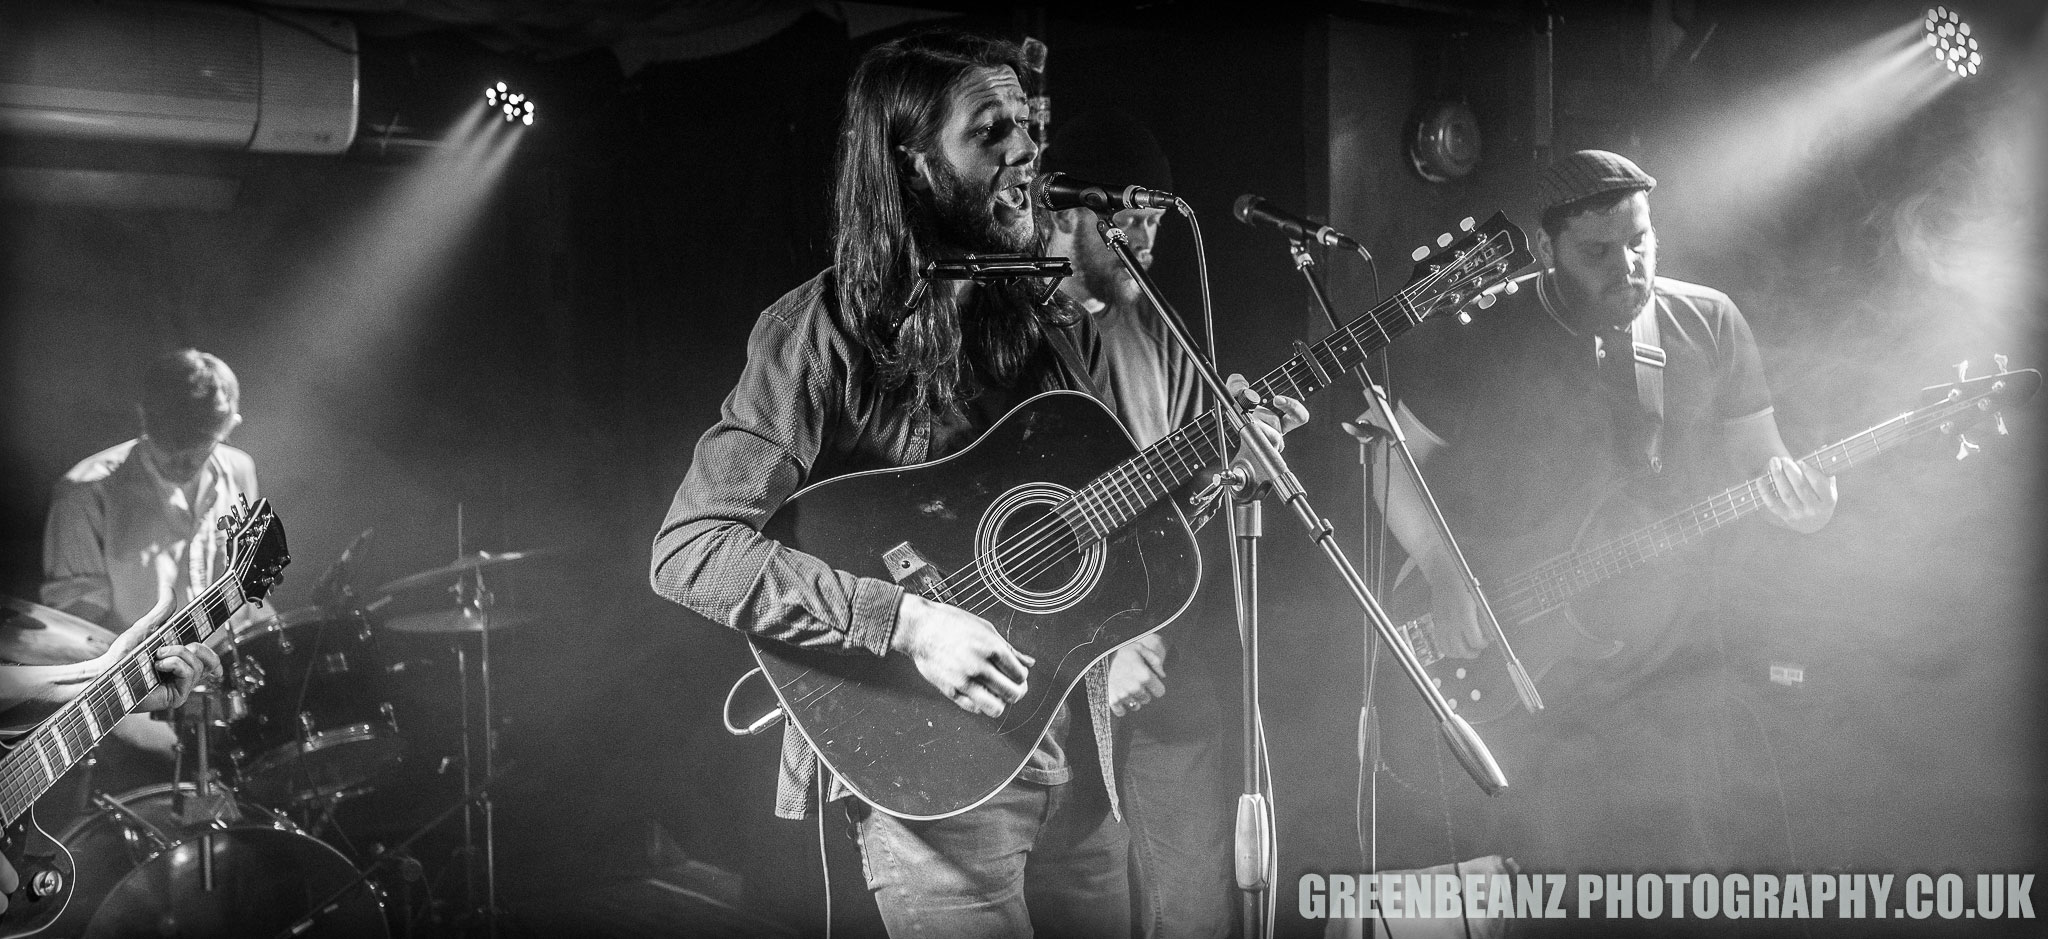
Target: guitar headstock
1465 267
1967 400
256 548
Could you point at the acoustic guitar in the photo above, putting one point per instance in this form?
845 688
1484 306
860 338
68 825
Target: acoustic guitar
1057 530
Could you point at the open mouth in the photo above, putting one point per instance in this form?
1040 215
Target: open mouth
1013 198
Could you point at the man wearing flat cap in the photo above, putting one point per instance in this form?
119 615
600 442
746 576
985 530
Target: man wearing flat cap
1598 399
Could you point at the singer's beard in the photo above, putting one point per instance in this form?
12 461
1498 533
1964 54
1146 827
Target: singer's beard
964 215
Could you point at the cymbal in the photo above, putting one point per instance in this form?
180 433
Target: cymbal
442 575
463 620
34 634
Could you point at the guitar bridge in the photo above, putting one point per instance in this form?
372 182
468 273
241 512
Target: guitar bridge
912 572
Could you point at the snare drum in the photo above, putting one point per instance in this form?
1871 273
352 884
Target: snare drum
314 719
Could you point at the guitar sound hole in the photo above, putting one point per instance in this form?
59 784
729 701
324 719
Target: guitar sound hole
1040 553
1032 559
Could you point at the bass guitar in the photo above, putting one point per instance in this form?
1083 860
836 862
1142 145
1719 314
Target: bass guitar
1054 528
35 761
1535 601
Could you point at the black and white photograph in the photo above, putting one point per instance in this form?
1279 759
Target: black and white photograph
1147 469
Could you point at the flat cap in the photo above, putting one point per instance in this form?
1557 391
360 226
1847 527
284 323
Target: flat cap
1588 173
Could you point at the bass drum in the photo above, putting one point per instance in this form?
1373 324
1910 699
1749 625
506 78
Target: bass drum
264 882
149 828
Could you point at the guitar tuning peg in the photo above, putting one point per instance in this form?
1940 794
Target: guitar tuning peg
1467 224
1999 361
1465 318
1421 251
1511 288
1443 240
1486 302
1998 422
1964 447
1963 370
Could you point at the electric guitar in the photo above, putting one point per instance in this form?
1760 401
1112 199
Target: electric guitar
1054 528
1535 605
34 762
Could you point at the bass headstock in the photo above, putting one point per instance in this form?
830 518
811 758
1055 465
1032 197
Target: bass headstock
1966 401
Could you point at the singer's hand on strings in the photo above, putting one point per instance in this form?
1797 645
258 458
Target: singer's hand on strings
961 655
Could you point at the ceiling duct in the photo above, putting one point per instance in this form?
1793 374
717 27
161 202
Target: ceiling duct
178 74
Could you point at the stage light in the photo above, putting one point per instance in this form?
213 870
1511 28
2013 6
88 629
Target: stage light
509 104
1951 41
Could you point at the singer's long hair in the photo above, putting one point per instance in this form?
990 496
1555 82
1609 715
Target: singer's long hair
883 231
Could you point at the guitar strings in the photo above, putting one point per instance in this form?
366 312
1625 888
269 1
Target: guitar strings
70 723
1670 533
1044 543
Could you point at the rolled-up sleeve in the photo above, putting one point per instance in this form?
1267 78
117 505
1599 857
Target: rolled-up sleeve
710 554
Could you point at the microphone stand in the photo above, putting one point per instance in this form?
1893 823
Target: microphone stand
1255 812
1376 402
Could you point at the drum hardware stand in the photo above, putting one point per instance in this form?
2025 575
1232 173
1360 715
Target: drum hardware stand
1265 457
476 598
400 853
134 820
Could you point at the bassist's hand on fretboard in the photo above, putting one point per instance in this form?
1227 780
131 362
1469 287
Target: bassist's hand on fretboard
1454 619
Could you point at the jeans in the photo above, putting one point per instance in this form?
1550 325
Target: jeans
1179 813
1049 859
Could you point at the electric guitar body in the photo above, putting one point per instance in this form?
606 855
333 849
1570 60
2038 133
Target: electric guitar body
47 877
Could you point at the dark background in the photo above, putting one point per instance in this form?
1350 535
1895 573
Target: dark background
545 379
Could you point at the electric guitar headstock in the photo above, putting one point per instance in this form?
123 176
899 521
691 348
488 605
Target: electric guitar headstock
256 548
1465 268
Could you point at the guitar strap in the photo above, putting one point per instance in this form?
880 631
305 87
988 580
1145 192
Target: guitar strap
1649 368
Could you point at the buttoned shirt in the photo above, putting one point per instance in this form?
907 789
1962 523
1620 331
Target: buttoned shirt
120 537
806 408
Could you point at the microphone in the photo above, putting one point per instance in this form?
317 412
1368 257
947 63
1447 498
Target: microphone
1057 192
1257 212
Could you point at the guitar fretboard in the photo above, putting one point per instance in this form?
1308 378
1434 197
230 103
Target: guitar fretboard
38 759
1118 496
1558 580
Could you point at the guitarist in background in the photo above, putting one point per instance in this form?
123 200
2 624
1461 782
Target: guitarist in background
844 374
1175 800
137 523
1530 414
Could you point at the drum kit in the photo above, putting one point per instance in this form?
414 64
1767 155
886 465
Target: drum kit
309 714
